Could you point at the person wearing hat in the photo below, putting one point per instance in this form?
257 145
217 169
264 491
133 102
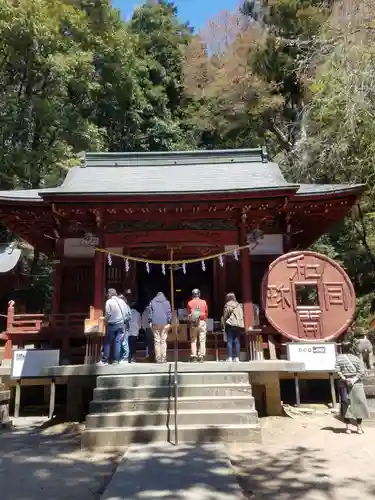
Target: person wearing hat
351 371
197 317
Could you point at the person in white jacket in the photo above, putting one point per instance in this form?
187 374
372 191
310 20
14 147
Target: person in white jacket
134 326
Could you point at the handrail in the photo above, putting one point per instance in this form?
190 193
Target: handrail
175 384
174 327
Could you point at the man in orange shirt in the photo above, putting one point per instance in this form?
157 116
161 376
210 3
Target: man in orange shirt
198 313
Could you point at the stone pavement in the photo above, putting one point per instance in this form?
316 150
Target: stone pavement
185 472
38 462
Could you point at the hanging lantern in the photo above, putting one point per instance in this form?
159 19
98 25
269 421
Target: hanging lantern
109 259
127 265
147 267
163 268
203 265
235 253
184 267
221 260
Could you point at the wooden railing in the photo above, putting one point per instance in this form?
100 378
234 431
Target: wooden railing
54 329
24 324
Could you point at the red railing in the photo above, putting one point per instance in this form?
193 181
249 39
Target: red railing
52 328
35 323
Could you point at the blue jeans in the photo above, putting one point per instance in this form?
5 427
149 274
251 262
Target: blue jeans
125 345
233 337
114 334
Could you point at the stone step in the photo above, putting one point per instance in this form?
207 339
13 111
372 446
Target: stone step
185 417
151 391
160 379
184 403
119 438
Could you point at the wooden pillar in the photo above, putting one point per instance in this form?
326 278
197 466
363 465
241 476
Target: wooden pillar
247 298
99 283
287 238
56 282
215 294
8 344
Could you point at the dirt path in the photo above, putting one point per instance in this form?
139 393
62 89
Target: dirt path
308 458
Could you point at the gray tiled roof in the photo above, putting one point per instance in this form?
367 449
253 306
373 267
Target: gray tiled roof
223 177
319 189
175 173
21 194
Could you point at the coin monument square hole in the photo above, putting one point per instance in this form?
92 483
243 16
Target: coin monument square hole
307 295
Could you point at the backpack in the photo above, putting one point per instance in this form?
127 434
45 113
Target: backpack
195 316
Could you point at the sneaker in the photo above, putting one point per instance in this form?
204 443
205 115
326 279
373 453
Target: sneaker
193 359
122 361
163 360
236 360
201 359
102 363
229 360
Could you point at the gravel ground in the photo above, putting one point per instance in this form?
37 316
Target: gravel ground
307 458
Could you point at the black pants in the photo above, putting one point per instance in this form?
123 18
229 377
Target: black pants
132 346
358 420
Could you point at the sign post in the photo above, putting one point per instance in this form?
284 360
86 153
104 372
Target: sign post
317 356
28 363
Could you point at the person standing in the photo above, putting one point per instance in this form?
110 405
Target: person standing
149 338
351 370
159 318
117 314
364 347
124 353
134 327
233 321
197 317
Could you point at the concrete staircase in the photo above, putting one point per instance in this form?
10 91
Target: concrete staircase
139 408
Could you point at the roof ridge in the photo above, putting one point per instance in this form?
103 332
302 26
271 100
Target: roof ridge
168 158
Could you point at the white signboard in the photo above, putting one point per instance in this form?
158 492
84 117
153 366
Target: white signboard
317 356
27 363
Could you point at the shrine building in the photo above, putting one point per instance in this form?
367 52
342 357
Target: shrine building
188 204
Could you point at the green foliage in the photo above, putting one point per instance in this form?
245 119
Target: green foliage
45 79
74 77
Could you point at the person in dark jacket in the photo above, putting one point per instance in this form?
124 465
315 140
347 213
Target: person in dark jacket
159 319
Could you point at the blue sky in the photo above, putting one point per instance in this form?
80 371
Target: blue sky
197 12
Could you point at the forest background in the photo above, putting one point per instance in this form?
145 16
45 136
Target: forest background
295 75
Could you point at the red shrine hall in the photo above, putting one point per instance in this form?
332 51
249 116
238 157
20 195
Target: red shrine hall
189 204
